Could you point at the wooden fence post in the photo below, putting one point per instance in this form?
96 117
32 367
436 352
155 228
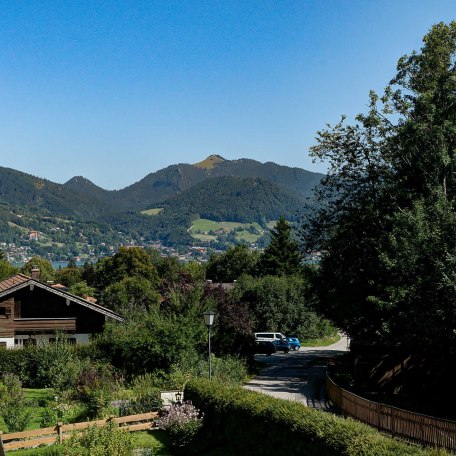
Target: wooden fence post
2 449
59 432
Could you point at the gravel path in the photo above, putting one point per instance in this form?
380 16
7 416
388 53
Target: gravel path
298 375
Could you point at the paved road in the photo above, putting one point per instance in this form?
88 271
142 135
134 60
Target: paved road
298 375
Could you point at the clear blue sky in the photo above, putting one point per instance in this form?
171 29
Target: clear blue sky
113 90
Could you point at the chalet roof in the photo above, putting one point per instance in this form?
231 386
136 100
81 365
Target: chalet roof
20 281
13 281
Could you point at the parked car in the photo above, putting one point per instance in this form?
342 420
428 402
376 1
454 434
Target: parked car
282 345
271 336
265 347
294 343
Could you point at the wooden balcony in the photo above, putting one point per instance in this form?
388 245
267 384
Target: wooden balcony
44 324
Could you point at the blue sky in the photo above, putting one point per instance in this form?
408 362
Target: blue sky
114 90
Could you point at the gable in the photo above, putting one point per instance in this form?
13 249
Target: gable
23 285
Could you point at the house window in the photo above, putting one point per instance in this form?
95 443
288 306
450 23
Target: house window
3 312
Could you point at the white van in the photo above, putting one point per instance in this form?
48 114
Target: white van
271 336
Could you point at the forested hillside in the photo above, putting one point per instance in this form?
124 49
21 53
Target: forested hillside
244 191
235 199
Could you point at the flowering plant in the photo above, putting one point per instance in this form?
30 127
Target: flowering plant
182 421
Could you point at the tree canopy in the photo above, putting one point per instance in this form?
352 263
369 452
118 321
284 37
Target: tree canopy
386 219
282 255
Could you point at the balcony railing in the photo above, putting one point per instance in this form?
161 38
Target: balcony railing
44 324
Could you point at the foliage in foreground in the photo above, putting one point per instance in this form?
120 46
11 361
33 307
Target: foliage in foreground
13 405
181 422
385 217
277 426
106 440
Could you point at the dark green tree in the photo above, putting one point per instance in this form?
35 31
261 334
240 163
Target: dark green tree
281 303
387 203
127 262
7 269
282 256
68 276
47 272
229 266
82 289
131 295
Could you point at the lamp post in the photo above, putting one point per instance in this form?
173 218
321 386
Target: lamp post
209 316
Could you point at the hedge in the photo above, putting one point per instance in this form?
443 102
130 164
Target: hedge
239 421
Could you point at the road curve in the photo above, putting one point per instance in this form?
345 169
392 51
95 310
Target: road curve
298 375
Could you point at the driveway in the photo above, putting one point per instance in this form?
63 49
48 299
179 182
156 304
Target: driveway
297 375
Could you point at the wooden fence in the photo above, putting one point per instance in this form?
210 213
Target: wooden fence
407 425
50 435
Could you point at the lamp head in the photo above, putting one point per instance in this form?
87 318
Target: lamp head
209 316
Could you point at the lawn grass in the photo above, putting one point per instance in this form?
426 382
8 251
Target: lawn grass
204 237
153 211
13 225
39 397
204 226
230 226
247 237
320 342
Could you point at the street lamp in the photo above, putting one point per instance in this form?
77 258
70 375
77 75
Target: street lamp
209 316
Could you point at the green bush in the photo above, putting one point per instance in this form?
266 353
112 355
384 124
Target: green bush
18 362
229 369
278 426
14 408
106 440
56 364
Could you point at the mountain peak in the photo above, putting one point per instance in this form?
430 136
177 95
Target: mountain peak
78 180
210 162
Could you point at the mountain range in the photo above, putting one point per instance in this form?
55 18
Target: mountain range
241 190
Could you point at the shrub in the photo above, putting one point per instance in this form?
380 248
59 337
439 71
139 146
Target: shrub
276 425
61 411
229 369
95 387
143 385
14 408
106 440
181 422
18 362
55 363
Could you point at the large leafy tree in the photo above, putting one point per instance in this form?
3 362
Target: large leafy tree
127 262
386 218
229 266
280 303
47 272
131 295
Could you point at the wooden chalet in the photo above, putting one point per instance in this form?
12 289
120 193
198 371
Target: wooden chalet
32 311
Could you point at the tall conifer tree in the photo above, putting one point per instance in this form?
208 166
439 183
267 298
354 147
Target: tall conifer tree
282 255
